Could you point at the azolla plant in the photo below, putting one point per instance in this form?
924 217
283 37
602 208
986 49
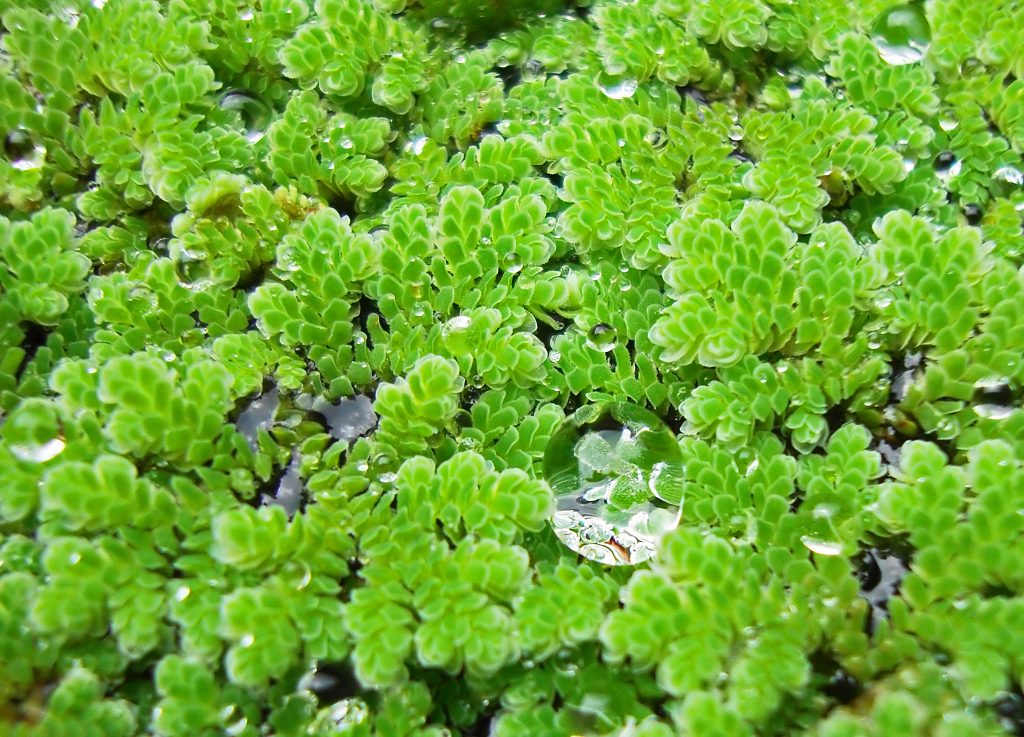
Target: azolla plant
405 368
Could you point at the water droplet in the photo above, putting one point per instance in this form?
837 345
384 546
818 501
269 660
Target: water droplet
656 138
456 333
246 14
993 411
1009 174
601 337
618 89
616 471
949 124
236 728
38 453
901 34
947 165
254 114
344 714
512 263
973 214
821 547
22 152
182 593
247 640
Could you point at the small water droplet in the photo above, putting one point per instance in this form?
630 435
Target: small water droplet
247 641
821 547
182 593
949 124
973 214
38 453
254 113
901 34
246 14
618 89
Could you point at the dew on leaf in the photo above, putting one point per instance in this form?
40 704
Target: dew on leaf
1009 174
821 547
38 452
947 165
616 88
254 113
901 34
22 151
601 337
512 262
616 471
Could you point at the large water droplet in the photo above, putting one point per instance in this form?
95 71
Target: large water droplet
947 165
512 262
22 151
38 453
901 34
254 113
617 88
1009 174
821 547
617 474
601 337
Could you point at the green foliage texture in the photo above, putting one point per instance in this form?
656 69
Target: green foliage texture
791 228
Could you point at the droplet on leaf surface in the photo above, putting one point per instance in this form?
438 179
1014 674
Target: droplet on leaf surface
254 113
901 34
617 474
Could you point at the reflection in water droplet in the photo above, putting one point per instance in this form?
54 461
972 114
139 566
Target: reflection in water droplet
656 138
40 453
901 34
349 711
821 547
618 89
1009 174
993 411
601 337
947 165
512 263
22 151
255 115
617 472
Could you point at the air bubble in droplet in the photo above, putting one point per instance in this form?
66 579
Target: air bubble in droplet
616 471
254 114
901 34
